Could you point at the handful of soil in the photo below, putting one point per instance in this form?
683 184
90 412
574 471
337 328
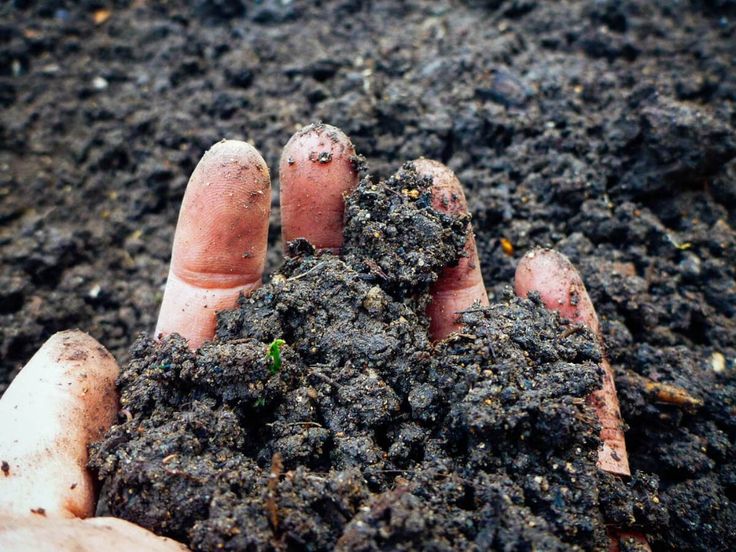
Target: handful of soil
359 433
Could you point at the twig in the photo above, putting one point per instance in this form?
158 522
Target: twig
323 377
664 392
310 424
575 328
272 508
315 267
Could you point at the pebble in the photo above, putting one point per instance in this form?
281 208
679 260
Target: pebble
690 265
718 362
99 83
62 15
504 88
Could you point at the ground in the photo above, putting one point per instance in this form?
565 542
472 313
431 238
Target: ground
605 129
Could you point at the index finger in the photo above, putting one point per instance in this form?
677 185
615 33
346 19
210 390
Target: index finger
220 242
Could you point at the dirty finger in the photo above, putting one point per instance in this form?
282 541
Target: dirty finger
317 170
458 287
561 288
220 242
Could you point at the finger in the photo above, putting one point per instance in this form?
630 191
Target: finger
220 241
458 287
628 540
317 170
62 400
561 288
20 534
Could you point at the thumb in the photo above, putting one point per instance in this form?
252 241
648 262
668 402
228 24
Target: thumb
62 400
20 534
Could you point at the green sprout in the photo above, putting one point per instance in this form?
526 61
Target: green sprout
260 402
274 351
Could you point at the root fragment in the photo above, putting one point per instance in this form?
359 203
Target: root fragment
272 507
664 392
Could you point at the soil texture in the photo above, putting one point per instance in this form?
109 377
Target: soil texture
603 128
368 437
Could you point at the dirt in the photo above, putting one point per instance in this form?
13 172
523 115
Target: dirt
374 438
604 129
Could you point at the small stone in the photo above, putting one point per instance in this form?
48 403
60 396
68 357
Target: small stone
100 16
504 88
99 83
375 300
507 247
718 362
690 265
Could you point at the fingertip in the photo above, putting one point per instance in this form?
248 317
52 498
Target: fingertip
559 285
220 242
228 149
448 195
221 235
458 287
63 399
316 171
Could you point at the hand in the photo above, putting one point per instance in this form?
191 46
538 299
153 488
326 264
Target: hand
65 397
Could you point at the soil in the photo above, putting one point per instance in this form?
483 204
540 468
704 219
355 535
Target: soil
605 129
367 437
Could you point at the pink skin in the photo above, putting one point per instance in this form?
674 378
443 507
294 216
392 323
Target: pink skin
561 288
458 287
316 172
220 241
65 397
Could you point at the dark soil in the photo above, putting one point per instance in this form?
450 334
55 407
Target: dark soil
603 128
368 437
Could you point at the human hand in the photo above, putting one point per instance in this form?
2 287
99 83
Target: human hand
65 397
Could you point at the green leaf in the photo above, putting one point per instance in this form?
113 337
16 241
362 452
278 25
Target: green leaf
274 351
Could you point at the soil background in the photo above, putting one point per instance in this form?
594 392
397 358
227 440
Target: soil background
605 129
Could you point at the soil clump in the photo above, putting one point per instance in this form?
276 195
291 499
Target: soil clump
368 436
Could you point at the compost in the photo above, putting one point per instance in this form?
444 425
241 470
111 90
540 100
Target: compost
364 435
604 129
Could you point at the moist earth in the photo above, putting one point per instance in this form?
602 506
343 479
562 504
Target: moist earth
368 436
604 129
